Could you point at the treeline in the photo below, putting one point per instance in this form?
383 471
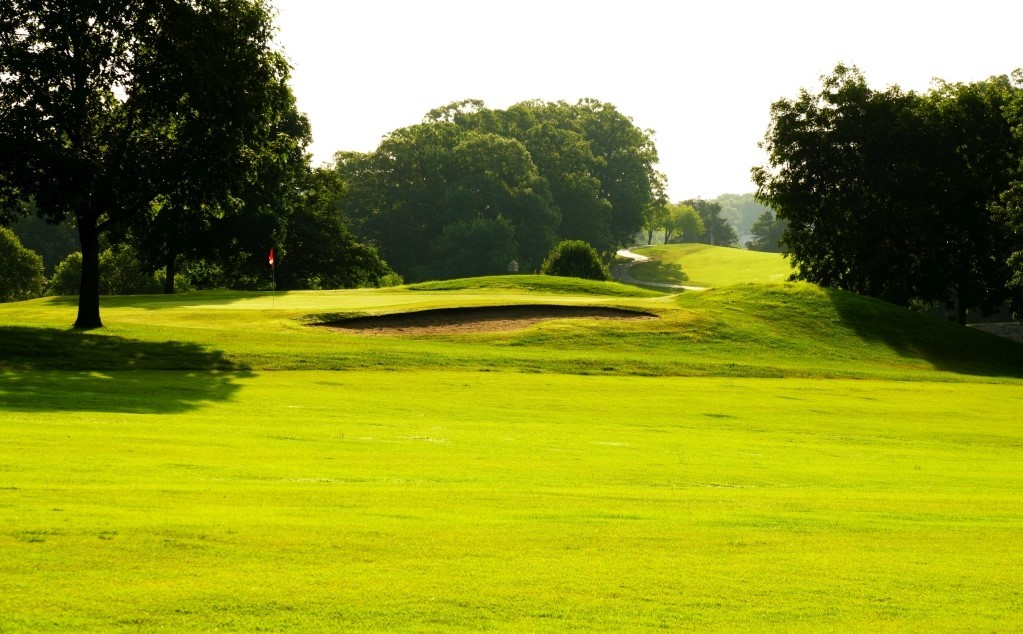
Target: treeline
730 220
915 198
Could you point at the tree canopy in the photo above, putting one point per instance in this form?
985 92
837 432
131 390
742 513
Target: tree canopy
682 223
716 228
767 233
22 269
471 188
889 193
117 111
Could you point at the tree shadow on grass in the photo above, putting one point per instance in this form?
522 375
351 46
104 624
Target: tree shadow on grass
659 272
49 369
945 345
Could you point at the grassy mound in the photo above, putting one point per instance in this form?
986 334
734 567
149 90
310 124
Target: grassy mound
837 329
794 330
706 265
535 284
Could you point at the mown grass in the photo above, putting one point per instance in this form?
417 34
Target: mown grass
709 266
795 330
165 473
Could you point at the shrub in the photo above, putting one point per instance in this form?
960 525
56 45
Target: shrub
22 269
575 258
120 273
67 276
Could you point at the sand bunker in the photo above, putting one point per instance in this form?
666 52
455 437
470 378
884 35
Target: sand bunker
478 319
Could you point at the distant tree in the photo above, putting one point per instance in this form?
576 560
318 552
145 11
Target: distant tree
575 258
597 165
741 210
767 233
122 273
53 242
106 102
21 269
213 219
319 251
426 177
682 224
717 229
655 219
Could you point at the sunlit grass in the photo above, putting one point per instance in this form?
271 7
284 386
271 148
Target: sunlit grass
466 501
212 461
706 265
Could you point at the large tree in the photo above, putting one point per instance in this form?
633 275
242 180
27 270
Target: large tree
888 193
115 109
596 163
682 223
425 178
319 252
1009 210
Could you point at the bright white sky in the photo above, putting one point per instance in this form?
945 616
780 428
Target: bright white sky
702 75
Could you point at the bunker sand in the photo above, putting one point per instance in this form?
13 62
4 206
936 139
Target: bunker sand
480 319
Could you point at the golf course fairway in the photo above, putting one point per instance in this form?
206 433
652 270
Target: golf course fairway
752 458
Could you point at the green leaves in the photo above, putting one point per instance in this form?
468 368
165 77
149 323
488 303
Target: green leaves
547 170
888 193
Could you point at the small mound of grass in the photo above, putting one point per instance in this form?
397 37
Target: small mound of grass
536 284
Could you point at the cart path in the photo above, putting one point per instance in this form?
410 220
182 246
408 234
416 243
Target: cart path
621 273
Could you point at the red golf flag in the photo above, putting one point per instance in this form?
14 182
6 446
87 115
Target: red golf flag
271 256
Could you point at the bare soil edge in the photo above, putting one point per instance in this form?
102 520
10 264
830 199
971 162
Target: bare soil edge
477 319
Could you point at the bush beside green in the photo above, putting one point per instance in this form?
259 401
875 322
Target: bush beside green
575 258
21 269
120 273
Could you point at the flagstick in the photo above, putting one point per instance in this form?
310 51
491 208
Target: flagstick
273 279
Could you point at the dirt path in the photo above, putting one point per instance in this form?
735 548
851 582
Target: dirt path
621 273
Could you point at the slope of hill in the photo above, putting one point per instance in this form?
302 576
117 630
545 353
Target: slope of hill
790 329
706 265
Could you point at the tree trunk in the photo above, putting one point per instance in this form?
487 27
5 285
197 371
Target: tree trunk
172 269
650 236
88 290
